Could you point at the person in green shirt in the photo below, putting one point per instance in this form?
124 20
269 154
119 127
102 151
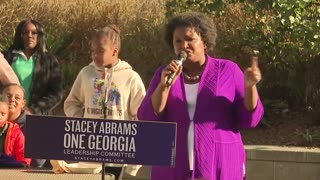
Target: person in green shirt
38 70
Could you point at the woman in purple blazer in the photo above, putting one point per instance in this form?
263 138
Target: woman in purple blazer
210 100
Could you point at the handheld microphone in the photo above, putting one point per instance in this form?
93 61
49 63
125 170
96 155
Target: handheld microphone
181 57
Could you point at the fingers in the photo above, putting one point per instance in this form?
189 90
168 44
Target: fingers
252 74
170 73
254 62
174 66
252 77
59 166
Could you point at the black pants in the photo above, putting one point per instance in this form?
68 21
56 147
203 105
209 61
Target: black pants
116 171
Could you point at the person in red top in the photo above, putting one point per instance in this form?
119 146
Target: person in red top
12 140
16 100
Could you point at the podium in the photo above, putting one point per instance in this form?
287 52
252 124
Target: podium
100 140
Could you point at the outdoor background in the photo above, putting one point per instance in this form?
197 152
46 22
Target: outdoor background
286 33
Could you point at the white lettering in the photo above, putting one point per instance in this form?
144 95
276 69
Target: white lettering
73 141
80 126
118 128
67 127
111 143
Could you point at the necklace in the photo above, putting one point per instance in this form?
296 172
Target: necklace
192 78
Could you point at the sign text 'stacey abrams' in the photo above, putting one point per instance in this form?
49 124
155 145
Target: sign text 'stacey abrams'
96 140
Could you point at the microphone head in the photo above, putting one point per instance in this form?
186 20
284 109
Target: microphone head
182 56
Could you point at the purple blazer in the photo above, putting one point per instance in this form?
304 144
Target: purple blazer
220 112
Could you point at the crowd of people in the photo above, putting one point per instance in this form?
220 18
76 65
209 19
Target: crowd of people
208 98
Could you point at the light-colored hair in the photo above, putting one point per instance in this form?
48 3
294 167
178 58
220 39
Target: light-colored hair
13 84
112 32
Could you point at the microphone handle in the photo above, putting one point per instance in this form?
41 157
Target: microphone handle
174 74
171 77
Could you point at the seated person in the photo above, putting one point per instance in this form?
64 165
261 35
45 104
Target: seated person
17 113
11 140
16 100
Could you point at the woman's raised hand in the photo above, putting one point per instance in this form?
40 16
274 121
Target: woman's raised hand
252 74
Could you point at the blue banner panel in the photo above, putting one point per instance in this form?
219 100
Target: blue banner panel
97 140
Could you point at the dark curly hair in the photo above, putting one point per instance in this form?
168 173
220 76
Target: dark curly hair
18 41
202 23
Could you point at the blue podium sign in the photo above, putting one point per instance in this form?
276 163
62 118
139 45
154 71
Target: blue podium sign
97 140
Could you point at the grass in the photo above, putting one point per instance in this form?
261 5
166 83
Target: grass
69 25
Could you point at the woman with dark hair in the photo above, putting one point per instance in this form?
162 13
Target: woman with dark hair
38 70
210 99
